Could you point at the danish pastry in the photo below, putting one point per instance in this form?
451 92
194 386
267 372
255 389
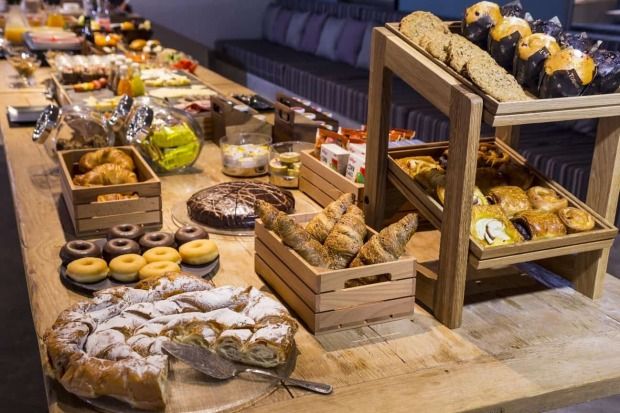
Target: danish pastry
511 199
87 270
538 224
546 199
490 226
576 220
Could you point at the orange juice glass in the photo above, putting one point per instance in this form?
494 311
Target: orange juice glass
14 34
55 19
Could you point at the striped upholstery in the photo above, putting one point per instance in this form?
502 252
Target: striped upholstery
561 151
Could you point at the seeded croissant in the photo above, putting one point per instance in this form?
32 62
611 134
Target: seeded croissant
116 156
293 235
106 174
389 244
346 238
322 223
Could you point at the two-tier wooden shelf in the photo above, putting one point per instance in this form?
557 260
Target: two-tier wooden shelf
582 260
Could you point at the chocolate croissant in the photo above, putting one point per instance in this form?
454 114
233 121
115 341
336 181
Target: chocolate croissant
346 238
116 156
538 224
323 222
490 226
106 174
511 199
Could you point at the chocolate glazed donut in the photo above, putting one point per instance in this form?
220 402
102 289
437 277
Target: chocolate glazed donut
156 239
129 231
120 246
76 249
189 233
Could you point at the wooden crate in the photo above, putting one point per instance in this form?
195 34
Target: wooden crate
319 297
602 235
324 184
90 217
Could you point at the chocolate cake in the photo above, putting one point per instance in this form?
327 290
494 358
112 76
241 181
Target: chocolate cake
230 205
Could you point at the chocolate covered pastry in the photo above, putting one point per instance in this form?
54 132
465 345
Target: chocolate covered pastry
230 205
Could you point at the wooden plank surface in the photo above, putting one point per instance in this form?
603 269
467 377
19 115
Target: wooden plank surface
528 352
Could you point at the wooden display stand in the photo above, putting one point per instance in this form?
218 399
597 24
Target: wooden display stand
467 107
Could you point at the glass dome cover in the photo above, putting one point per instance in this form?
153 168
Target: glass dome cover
168 138
71 127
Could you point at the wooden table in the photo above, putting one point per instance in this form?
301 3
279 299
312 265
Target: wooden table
524 347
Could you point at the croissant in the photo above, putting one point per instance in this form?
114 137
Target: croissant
300 240
116 156
322 223
106 174
267 213
345 240
389 244
517 175
487 178
116 197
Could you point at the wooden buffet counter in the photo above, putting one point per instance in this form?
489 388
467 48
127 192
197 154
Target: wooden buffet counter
525 348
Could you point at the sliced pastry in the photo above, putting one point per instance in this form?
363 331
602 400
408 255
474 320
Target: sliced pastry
538 224
491 227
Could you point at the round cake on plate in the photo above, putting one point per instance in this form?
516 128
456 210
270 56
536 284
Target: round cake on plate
230 205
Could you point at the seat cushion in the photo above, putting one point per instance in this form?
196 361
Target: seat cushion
259 57
296 29
269 19
281 24
363 58
332 29
350 41
312 33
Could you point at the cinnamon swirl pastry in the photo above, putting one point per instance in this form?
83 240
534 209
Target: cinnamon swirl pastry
546 199
576 220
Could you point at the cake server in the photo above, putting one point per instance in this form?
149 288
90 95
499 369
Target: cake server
213 365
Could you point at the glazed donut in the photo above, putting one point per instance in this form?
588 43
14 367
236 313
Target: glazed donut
157 269
189 233
156 239
576 220
124 268
546 199
87 270
129 231
198 252
162 254
119 246
76 249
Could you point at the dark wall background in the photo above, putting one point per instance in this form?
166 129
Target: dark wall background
453 9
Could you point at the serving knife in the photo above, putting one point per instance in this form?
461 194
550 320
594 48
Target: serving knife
213 365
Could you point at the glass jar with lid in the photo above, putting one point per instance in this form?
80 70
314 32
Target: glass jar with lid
71 127
168 138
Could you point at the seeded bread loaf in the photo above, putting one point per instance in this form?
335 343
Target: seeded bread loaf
420 23
493 79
